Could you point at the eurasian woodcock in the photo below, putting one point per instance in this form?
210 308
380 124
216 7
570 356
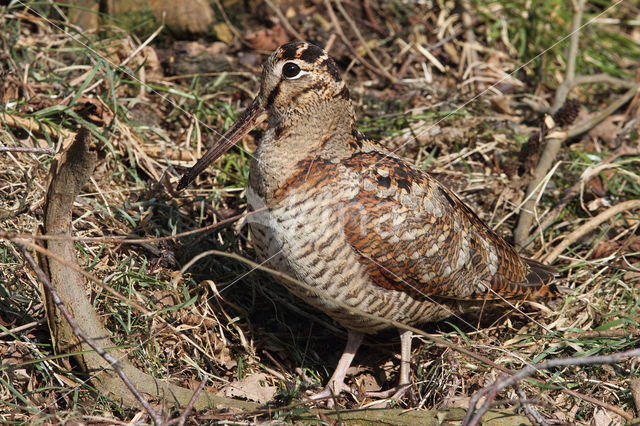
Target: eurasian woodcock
337 211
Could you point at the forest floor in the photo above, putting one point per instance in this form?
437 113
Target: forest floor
458 88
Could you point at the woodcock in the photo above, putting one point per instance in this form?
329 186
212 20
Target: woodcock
337 211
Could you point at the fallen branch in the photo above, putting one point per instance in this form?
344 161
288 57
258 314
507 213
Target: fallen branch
590 226
33 150
554 142
77 331
474 416
68 176
32 125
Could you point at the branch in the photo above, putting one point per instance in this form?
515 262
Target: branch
590 226
34 150
552 148
473 417
77 331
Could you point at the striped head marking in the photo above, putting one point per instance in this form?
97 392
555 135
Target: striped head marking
296 79
299 73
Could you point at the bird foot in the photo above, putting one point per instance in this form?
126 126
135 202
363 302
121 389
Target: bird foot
329 393
393 394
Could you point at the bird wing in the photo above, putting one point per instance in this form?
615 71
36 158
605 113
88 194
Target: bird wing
415 235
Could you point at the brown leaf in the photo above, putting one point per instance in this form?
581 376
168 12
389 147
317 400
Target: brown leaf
268 39
605 249
501 104
89 108
607 131
597 186
253 388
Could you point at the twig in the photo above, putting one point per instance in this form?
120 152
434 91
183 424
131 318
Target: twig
634 384
593 121
23 327
529 410
187 410
373 57
33 150
567 84
77 331
436 339
338 28
469 54
474 416
142 46
590 226
31 125
284 21
604 79
592 334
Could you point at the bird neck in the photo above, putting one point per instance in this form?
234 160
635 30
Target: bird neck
318 130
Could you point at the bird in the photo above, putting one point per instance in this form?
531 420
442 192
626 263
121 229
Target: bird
372 237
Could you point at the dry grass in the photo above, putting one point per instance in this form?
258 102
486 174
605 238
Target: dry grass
234 323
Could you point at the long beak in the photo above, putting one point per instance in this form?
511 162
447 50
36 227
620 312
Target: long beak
250 118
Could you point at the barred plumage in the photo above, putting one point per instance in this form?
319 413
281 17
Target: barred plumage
340 213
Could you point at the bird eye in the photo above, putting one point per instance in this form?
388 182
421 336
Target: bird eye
291 70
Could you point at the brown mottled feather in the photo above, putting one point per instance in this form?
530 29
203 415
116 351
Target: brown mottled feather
335 210
416 236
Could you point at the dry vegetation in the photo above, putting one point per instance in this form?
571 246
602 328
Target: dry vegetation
457 87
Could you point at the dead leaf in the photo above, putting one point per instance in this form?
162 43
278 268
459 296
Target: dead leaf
632 277
501 104
368 383
603 417
604 249
607 131
253 387
268 39
91 109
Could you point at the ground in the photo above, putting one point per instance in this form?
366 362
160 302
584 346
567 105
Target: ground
455 87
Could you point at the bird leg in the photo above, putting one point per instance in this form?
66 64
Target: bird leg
336 383
404 384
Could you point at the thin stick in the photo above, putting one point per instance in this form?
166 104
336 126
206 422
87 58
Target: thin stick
77 331
142 46
567 84
473 417
593 121
338 28
33 150
604 79
373 57
187 410
284 21
590 226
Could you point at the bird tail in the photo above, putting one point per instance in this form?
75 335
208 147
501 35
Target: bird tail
539 283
